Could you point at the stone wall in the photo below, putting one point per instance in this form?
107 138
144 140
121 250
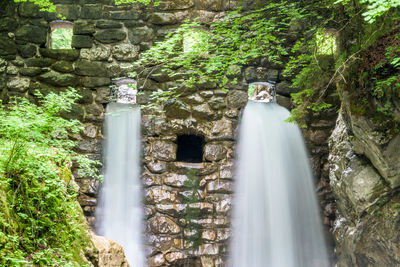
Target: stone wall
106 40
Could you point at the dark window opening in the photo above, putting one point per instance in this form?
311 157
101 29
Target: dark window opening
190 148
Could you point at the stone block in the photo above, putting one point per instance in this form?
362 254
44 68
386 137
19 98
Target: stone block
8 24
175 108
31 34
163 18
28 50
109 36
60 54
95 81
203 112
58 79
175 180
18 84
90 68
160 195
91 11
219 186
81 41
97 53
214 152
7 46
63 66
29 10
39 62
140 34
175 5
125 15
164 225
108 24
83 27
237 99
125 52
70 12
30 71
164 150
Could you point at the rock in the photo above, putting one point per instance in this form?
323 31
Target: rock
250 74
163 18
7 46
31 34
157 167
140 34
160 195
109 36
60 54
222 130
237 99
81 41
203 112
30 71
18 84
12 70
29 10
95 81
70 12
83 27
63 66
103 95
163 150
173 5
156 260
175 108
219 186
194 99
224 206
164 225
108 24
90 68
125 52
110 253
8 24
58 79
284 101
39 62
175 256
26 51
214 152
175 180
91 11
125 15
171 209
97 53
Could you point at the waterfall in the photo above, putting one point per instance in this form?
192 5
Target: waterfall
276 216
119 213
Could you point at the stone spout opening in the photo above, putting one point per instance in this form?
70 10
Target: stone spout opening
190 148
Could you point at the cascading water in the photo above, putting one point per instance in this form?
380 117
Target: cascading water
119 213
276 217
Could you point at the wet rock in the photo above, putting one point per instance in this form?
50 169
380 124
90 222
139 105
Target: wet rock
237 99
175 180
175 256
99 52
171 209
207 249
175 108
60 54
110 253
156 260
220 186
203 112
164 225
214 152
284 101
125 52
222 130
157 167
160 195
63 66
203 207
165 151
224 206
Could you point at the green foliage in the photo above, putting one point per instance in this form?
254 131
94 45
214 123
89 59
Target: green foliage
61 38
45 5
145 2
200 54
41 222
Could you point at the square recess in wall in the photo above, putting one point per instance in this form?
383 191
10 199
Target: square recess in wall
190 148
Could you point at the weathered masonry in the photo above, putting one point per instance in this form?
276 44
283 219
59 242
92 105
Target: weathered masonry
196 131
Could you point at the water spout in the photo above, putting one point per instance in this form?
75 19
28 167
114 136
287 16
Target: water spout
119 214
276 217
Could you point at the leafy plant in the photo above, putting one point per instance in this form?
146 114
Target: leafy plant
61 38
40 220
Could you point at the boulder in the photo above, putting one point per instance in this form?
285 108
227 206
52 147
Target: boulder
109 252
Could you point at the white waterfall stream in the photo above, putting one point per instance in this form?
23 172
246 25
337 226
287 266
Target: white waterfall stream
276 219
119 214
